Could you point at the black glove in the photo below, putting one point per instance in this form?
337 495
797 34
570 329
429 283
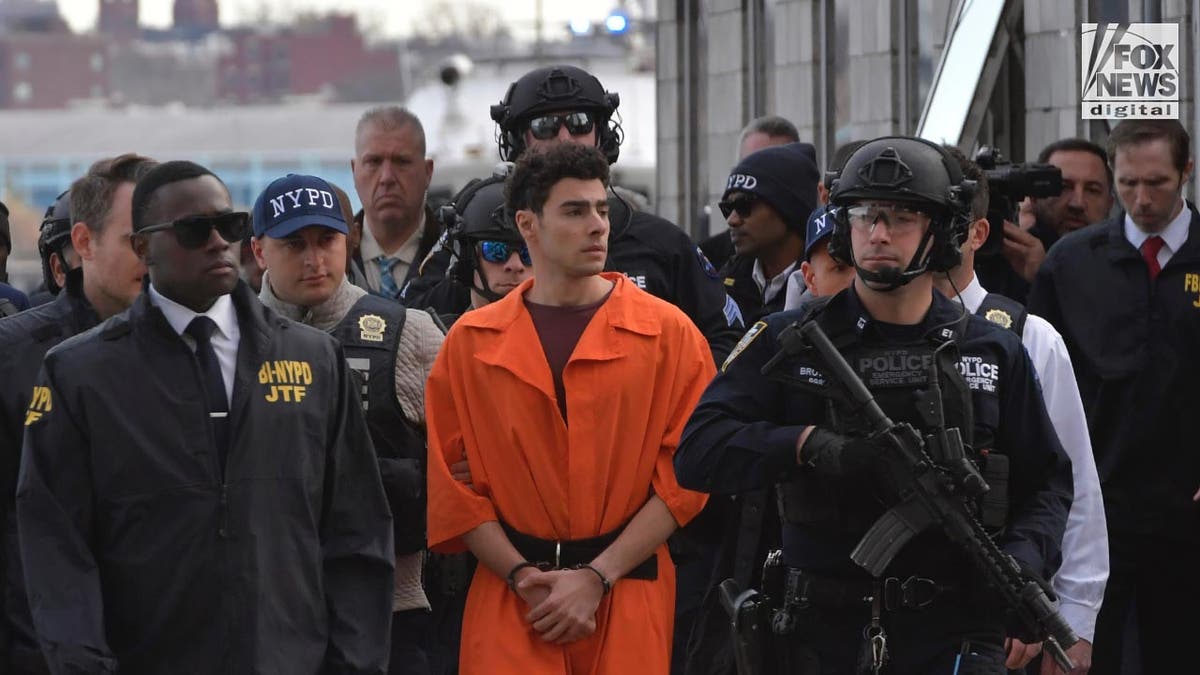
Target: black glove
831 454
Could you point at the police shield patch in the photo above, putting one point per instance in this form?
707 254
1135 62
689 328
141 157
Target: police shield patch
999 317
749 337
371 327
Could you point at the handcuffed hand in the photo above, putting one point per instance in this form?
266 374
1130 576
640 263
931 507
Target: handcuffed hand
568 612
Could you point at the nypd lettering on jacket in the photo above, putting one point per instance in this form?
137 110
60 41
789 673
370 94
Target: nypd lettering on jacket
301 198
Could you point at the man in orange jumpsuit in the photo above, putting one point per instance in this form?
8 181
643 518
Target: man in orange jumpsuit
567 398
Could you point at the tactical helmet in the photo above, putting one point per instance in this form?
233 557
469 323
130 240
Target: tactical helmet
551 89
53 235
477 213
915 172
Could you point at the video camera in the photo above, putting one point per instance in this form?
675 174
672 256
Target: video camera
1008 184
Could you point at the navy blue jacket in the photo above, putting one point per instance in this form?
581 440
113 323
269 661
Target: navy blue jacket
743 433
142 556
1136 354
24 341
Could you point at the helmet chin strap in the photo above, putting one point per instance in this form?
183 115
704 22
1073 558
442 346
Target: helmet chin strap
486 291
892 277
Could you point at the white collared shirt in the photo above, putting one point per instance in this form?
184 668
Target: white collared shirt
1083 575
770 289
1174 235
224 340
404 256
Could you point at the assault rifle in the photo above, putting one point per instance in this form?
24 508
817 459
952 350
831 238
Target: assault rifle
933 495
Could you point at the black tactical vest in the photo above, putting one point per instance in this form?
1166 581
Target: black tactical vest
370 335
898 375
1004 312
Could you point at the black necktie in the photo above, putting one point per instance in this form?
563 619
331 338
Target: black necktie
201 329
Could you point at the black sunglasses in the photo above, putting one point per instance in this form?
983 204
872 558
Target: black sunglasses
194 231
743 205
547 126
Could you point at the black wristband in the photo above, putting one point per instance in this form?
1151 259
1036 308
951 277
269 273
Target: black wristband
511 580
603 579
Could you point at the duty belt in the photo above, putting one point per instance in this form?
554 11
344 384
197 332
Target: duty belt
558 554
803 589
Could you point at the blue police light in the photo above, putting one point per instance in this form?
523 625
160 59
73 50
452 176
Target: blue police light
580 27
616 23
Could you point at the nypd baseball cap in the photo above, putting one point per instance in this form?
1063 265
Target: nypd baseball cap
296 201
820 226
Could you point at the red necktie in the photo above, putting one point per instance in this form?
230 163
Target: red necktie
1150 249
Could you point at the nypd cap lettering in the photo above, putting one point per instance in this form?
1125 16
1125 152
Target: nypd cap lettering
297 201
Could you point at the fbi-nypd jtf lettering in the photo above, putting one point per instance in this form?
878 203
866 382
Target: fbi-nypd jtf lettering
39 405
288 380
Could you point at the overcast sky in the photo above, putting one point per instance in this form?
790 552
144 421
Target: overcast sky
394 17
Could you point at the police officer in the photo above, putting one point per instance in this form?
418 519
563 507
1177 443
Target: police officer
106 282
930 611
391 176
198 490
1125 294
1080 580
568 104
11 299
301 246
54 249
768 197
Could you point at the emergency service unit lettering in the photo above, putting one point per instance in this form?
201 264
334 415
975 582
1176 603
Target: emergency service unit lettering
1130 71
980 374
300 198
288 380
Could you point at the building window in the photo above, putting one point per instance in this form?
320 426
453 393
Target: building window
97 62
21 61
22 92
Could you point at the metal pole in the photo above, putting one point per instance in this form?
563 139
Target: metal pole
825 112
1151 11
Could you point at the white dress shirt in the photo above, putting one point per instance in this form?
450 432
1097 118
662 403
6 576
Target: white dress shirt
1174 235
224 340
770 289
1083 575
370 251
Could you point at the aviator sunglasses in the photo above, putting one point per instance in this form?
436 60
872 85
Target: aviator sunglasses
547 126
499 252
194 231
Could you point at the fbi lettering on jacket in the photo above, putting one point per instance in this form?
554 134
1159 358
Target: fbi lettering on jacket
285 381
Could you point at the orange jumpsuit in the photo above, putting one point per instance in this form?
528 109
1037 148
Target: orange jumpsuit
631 383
